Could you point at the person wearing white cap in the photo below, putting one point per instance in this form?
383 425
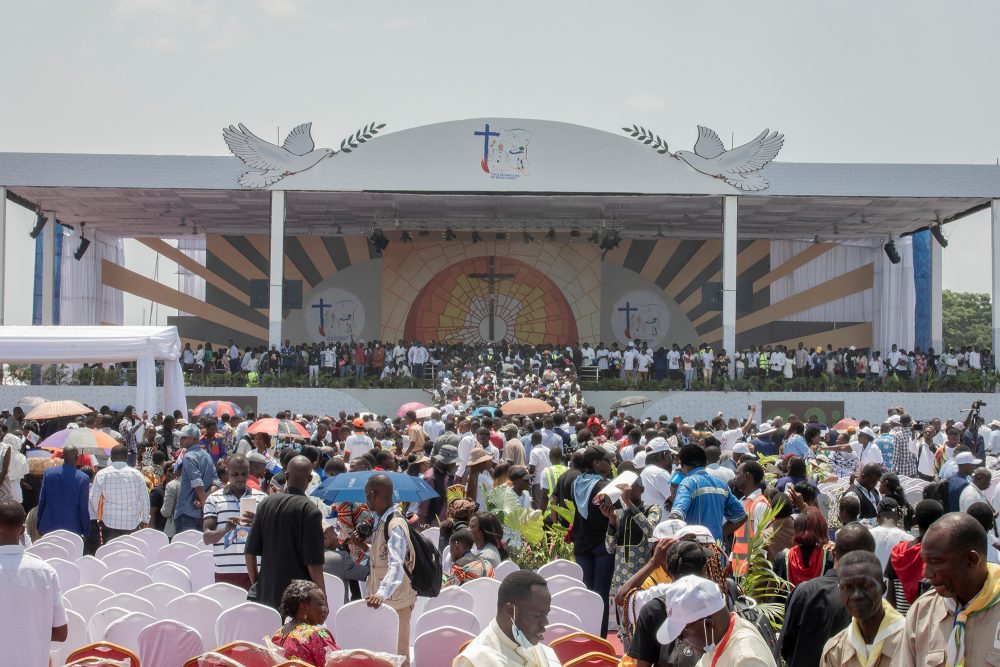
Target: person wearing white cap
697 614
965 463
993 440
655 473
865 448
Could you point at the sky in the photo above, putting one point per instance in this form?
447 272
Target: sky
851 81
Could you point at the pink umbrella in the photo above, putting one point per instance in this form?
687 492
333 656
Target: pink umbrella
406 407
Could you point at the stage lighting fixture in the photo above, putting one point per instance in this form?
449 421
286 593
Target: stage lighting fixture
405 237
476 238
890 251
610 240
40 221
449 235
527 237
574 234
595 237
501 236
939 234
551 235
84 244
378 240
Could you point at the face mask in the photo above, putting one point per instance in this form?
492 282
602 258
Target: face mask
709 646
519 636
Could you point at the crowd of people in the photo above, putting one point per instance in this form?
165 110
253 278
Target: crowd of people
874 544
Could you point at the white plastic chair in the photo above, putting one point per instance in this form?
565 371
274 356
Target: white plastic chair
114 546
176 552
227 595
125 631
84 598
554 631
73 538
432 534
202 569
117 560
198 611
560 582
75 549
49 550
585 604
249 622
154 539
445 617
336 591
76 636
484 599
100 621
125 580
128 602
356 625
439 646
505 569
171 573
453 595
141 545
560 616
561 566
168 644
159 595
67 573
191 536
91 569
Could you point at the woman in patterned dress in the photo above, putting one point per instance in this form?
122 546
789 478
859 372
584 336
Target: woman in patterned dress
303 636
629 530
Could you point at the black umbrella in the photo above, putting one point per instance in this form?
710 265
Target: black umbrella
629 401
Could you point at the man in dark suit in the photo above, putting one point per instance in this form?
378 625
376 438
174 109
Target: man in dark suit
62 503
866 489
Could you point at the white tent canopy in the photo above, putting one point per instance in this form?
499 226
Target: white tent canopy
70 345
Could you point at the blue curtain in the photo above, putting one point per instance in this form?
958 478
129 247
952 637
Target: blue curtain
922 285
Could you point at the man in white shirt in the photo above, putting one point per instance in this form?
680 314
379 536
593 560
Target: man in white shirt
674 362
119 496
629 365
887 533
514 637
728 437
466 442
32 614
865 448
655 474
975 490
357 443
537 464
587 355
417 356
434 427
777 362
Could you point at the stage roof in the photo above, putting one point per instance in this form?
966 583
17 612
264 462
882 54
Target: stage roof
430 178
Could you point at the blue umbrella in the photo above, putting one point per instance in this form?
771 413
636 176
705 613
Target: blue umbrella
484 411
349 487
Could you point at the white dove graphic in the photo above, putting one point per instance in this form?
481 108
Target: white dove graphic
734 166
270 163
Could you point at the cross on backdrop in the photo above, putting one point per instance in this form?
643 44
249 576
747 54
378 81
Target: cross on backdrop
492 278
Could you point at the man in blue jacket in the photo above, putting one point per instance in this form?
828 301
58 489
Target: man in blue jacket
62 503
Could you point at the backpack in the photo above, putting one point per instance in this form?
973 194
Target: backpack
425 578
746 608
937 491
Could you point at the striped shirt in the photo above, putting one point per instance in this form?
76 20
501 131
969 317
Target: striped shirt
120 494
225 506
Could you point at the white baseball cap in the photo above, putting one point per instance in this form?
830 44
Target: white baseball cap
640 460
964 458
741 448
657 445
667 529
689 599
867 431
701 534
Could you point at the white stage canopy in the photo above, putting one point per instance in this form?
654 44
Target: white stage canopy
71 345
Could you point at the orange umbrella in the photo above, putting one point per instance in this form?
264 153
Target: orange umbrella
526 406
278 427
845 424
53 409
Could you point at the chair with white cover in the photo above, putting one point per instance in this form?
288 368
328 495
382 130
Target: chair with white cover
75 539
171 573
128 602
505 569
125 580
484 598
454 596
560 616
100 620
175 552
141 545
47 550
84 598
249 621
354 627
336 591
116 560
115 545
201 565
198 611
67 573
432 534
168 643
439 646
554 631
76 636
445 617
560 582
561 566
92 570
125 631
191 536
154 539
159 595
75 549
585 604
227 595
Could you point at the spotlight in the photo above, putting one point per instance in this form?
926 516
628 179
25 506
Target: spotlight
449 235
476 238
501 236
610 240
594 237
84 244
574 234
40 221
939 234
405 237
378 240
890 251
528 238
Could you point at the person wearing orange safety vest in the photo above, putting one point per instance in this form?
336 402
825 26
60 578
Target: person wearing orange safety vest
748 479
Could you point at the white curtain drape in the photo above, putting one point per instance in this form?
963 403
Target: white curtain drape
838 261
187 282
895 297
83 299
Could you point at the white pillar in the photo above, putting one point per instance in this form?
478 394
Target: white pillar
276 275
937 326
729 275
3 247
48 268
995 227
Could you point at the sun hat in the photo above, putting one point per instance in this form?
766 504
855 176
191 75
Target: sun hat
701 534
966 458
447 454
867 431
477 455
689 599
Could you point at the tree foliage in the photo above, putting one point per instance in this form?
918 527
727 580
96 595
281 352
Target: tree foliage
966 319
